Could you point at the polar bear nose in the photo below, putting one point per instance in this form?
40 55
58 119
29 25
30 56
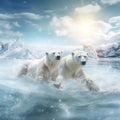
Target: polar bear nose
58 57
83 63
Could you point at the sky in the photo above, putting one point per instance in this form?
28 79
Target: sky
64 22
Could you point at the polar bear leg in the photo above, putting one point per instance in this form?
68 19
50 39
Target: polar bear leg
59 82
23 70
91 85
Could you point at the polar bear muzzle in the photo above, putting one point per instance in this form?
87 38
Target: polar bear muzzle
83 60
58 57
83 63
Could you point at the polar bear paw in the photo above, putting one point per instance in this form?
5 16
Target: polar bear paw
58 85
91 86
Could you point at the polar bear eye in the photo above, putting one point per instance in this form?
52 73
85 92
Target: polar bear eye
79 56
53 53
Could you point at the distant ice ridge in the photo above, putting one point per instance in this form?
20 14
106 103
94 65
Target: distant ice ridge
109 50
15 49
18 50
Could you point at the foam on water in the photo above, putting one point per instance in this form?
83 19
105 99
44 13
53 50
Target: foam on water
28 99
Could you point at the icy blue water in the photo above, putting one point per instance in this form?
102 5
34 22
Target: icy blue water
24 99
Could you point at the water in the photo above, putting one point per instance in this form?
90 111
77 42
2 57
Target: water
25 99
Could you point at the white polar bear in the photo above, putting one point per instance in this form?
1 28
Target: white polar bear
71 67
44 68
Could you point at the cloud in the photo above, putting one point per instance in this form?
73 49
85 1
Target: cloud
110 2
25 15
6 16
9 33
115 22
35 26
102 26
5 25
62 25
83 28
85 31
79 26
7 29
9 23
16 24
90 8
115 19
28 15
114 36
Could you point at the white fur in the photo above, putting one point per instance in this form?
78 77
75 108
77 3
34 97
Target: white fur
44 68
71 67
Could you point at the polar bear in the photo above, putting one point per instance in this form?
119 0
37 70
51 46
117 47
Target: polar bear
44 68
71 67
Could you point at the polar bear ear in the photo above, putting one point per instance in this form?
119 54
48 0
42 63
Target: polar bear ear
46 53
73 53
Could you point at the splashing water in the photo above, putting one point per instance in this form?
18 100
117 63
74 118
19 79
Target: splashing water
23 99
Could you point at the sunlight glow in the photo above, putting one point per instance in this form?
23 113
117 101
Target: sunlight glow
85 29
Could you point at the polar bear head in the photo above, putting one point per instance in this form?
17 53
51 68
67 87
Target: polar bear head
80 57
54 55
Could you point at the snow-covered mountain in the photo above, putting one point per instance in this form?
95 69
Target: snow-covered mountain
17 49
109 50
